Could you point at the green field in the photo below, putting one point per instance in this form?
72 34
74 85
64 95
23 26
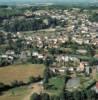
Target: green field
56 84
16 93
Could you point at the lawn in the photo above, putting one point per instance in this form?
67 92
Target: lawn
56 84
16 94
20 72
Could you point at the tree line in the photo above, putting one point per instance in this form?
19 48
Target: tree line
67 95
29 24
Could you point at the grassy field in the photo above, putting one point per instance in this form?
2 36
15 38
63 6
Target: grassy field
20 72
56 84
16 93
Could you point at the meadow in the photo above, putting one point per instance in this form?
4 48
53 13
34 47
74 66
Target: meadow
16 94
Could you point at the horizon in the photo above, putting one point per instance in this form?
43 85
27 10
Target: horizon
49 1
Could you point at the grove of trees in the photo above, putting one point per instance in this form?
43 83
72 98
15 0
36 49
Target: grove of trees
66 95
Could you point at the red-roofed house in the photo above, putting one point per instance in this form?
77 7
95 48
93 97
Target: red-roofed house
96 87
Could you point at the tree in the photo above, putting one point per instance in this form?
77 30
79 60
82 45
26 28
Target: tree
54 97
31 79
76 95
68 95
62 94
14 83
1 86
66 77
48 61
2 39
93 95
93 61
83 95
45 96
90 94
94 17
35 96
46 75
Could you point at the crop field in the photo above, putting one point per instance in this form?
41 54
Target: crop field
20 72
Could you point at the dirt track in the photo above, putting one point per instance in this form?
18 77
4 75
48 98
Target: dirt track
36 88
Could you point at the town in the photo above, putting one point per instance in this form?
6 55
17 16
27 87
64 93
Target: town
60 43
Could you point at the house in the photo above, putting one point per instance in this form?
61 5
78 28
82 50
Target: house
3 56
35 54
23 56
28 13
10 59
79 41
82 51
97 68
96 55
97 87
85 63
71 69
19 34
81 67
40 56
40 12
7 59
46 21
58 70
61 70
86 41
87 70
10 52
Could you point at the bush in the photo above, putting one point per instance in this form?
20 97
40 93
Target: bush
54 97
35 96
34 79
4 87
16 83
31 79
46 86
45 96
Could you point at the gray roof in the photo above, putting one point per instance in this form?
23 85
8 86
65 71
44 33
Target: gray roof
73 83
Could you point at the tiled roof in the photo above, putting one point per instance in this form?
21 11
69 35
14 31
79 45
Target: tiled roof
96 85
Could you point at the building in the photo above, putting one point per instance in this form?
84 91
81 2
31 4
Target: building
97 87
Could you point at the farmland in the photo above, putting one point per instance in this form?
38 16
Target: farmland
20 72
